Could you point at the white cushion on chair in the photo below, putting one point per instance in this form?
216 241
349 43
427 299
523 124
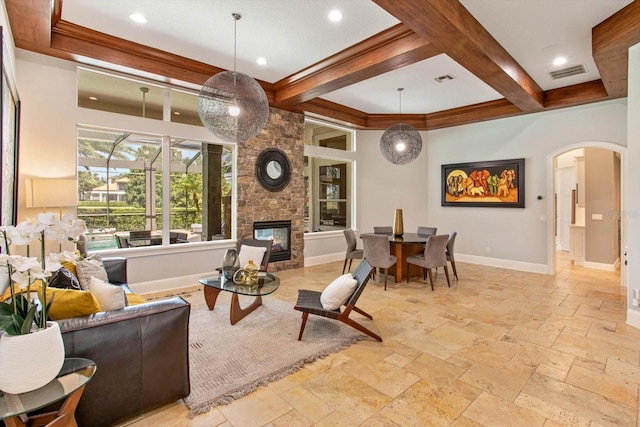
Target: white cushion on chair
253 253
338 292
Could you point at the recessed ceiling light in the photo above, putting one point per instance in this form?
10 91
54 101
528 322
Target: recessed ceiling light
138 17
93 98
560 60
335 15
261 61
176 113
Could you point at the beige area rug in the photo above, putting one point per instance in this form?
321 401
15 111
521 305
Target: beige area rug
228 362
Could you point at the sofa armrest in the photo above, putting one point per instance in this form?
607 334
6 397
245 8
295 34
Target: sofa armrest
116 268
142 358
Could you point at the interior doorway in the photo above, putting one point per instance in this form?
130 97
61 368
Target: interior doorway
588 228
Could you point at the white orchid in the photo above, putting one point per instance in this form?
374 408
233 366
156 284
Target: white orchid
20 316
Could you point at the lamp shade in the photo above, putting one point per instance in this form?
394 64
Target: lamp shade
51 193
401 144
233 106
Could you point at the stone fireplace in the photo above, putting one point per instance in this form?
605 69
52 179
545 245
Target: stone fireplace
285 131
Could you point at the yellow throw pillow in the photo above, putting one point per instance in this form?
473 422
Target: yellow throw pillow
35 287
69 303
135 299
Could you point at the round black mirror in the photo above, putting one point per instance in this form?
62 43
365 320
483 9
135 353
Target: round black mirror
272 169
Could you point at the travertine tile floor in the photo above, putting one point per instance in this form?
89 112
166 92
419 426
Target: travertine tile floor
498 348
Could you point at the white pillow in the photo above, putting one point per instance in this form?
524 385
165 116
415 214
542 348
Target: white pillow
253 253
338 292
110 297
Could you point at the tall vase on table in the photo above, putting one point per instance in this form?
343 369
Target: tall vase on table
398 225
230 263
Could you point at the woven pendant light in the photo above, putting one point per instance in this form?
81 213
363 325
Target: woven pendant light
401 143
232 105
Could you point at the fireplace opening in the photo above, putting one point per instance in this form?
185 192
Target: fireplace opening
279 232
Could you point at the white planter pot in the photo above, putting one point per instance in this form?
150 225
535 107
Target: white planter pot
27 362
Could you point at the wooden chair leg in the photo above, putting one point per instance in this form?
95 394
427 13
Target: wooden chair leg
365 314
453 267
430 278
424 273
344 267
305 315
361 328
350 261
386 275
446 273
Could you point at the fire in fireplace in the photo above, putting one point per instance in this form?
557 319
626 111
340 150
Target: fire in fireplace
280 234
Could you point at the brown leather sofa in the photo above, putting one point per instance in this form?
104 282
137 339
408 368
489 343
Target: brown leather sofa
141 353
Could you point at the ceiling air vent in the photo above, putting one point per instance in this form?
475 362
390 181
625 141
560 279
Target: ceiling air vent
568 72
443 79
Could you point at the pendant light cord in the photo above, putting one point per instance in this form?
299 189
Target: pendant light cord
400 89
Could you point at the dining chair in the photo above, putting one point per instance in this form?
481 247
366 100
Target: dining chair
449 251
352 253
386 230
309 303
377 253
434 256
427 231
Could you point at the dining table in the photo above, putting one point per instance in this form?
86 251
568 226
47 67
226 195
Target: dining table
403 246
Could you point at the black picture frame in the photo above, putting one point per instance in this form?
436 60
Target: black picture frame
489 184
9 137
272 169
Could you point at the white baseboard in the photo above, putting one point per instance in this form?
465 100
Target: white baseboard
503 263
323 259
633 317
172 284
600 266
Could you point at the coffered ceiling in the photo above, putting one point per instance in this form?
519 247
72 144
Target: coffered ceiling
495 55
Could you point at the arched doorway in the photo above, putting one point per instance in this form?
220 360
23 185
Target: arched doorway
551 191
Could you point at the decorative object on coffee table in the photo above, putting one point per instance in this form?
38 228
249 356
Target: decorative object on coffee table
230 263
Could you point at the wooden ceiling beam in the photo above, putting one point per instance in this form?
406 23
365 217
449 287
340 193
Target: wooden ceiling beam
610 43
31 21
453 30
322 108
386 51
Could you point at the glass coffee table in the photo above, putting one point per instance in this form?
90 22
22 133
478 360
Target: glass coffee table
213 285
69 385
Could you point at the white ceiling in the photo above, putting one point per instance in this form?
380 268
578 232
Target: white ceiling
294 34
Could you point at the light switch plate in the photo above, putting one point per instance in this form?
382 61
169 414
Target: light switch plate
596 217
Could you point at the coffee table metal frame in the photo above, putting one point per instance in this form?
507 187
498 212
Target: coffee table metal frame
213 285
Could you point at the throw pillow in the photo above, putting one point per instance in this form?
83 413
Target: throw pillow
88 268
110 297
338 292
253 253
6 295
69 303
71 266
64 279
135 299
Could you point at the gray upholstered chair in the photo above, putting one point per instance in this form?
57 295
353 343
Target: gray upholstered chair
377 253
450 257
434 256
427 231
386 230
352 253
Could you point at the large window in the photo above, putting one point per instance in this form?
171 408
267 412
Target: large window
329 177
121 189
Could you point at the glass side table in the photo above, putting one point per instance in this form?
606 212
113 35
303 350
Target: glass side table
69 385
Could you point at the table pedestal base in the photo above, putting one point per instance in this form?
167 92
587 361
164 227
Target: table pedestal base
64 417
236 313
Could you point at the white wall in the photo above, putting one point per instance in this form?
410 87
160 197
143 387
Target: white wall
517 238
632 208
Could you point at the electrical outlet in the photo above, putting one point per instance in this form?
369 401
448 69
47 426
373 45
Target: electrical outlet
488 250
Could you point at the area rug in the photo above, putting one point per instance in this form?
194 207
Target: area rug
229 361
